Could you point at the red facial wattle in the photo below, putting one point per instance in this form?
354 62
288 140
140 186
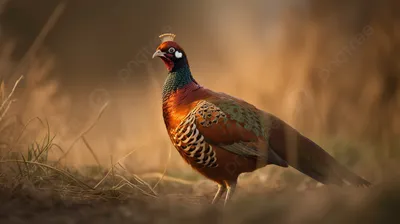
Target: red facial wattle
168 62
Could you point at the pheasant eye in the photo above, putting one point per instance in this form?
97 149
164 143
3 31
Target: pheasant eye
171 50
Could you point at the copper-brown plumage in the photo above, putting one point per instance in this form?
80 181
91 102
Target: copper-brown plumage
221 136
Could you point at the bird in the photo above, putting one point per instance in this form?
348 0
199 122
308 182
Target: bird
222 136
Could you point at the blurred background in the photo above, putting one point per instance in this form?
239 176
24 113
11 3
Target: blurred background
329 68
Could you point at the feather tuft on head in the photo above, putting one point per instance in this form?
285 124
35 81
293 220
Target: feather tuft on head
167 37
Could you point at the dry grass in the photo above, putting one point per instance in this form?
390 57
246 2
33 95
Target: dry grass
35 168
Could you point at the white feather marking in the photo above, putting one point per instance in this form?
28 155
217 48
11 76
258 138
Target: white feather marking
210 151
194 137
202 156
213 153
198 146
185 133
178 54
207 162
201 139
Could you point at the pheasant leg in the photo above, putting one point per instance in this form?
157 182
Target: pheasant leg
220 192
230 191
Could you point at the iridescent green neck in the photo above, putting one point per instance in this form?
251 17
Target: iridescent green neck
176 80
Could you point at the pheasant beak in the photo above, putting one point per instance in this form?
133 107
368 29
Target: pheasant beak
158 53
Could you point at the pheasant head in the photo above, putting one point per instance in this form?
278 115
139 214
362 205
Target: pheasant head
179 74
171 53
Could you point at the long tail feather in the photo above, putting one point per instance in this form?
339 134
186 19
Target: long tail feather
309 158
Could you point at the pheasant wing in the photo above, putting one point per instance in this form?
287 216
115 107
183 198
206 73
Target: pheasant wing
233 125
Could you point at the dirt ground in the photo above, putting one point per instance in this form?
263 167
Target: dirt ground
180 203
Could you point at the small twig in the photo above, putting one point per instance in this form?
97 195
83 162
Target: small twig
90 149
11 93
109 170
84 132
135 186
102 179
112 169
122 158
6 109
126 170
138 179
116 186
5 106
167 178
58 146
165 168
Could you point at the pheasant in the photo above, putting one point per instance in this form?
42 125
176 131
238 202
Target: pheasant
221 136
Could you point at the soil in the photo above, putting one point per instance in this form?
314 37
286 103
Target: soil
182 204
